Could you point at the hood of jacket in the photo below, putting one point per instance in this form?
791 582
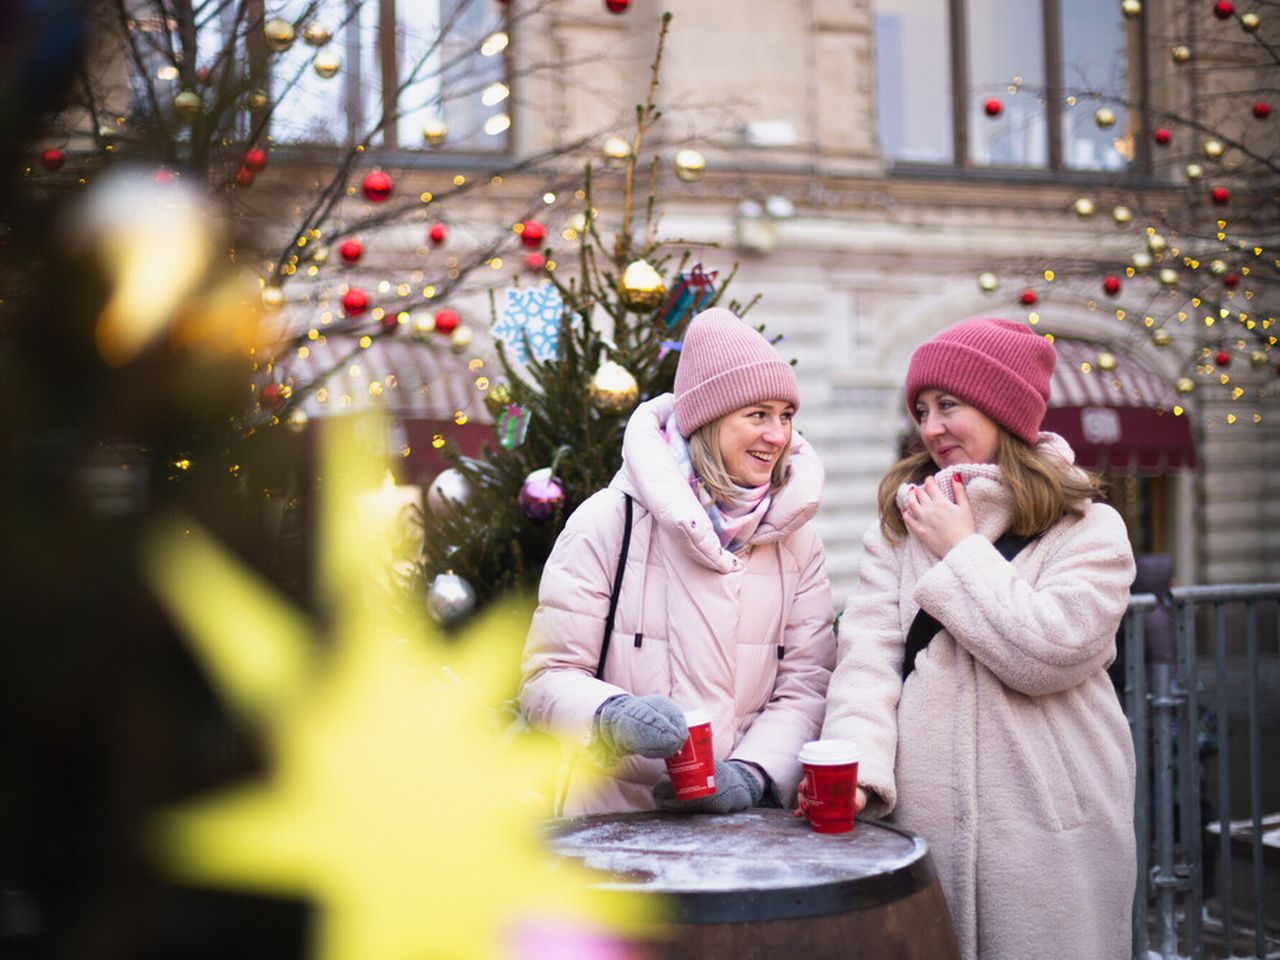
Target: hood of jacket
651 475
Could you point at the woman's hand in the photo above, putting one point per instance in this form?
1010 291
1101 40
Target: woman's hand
859 800
936 522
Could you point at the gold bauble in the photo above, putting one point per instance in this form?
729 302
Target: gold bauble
272 298
1131 8
1213 149
187 104
1169 277
1141 260
1106 361
258 100
423 325
613 389
641 287
1122 214
1156 243
296 420
1104 117
434 131
498 398
1181 53
616 152
320 254
1084 207
690 165
316 34
327 64
279 33
1194 171
1160 337
1249 22
460 339
987 282
1258 358
1185 385
1218 268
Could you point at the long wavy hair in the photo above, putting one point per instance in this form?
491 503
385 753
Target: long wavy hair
1043 486
704 453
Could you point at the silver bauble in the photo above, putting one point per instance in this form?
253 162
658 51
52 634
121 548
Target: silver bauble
449 489
450 599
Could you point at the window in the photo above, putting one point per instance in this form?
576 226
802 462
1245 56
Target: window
422 61
1046 61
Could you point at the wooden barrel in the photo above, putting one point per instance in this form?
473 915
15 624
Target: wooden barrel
761 884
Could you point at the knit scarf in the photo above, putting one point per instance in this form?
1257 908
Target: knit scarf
735 520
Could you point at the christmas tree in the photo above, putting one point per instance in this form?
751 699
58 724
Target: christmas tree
579 354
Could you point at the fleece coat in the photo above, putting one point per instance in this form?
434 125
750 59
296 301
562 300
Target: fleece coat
1006 748
747 635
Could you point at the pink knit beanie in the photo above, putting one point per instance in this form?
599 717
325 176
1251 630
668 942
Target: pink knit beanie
999 366
726 365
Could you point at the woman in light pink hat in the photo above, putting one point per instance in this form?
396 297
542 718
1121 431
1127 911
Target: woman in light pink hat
724 603
973 655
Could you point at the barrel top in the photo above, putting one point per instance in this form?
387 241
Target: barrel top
765 861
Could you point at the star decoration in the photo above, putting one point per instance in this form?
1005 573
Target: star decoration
535 313
395 802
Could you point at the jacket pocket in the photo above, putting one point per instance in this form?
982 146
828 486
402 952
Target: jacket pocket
639 669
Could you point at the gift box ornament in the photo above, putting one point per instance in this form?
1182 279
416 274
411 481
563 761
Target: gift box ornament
693 291
511 426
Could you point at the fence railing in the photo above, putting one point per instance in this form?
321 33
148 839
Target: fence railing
1163 703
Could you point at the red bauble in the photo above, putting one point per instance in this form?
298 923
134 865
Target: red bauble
1028 297
351 250
1222 358
1111 284
438 233
255 159
1223 9
377 186
1231 279
53 158
244 177
447 321
617 6
389 322
1163 136
270 395
992 107
162 175
355 302
532 233
535 261
1221 196
1262 110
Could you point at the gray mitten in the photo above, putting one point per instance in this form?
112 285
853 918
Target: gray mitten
737 788
651 726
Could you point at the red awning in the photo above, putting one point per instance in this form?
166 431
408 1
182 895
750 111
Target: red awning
1121 420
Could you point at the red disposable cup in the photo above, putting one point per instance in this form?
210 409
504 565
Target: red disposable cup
830 784
693 769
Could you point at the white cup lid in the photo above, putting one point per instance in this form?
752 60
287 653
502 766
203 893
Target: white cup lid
696 716
825 753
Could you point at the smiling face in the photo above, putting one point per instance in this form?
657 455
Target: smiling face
954 431
752 439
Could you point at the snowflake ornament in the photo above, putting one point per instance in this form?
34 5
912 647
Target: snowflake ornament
533 312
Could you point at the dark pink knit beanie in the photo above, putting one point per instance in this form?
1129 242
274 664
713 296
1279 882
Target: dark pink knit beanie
999 366
724 366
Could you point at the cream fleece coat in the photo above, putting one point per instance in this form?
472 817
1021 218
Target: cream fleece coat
1006 748
748 636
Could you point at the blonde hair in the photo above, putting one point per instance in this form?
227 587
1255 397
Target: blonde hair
708 464
1042 485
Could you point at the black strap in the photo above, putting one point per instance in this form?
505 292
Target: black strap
617 588
925 627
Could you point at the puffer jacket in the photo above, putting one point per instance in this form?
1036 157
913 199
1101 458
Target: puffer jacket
1006 748
747 636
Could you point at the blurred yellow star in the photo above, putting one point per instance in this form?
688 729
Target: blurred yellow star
394 803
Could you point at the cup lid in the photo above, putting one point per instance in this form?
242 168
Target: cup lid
829 752
697 716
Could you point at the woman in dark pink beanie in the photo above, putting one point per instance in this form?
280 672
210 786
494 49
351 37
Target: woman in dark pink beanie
724 603
973 655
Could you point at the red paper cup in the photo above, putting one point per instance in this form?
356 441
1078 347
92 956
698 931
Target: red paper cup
830 782
693 769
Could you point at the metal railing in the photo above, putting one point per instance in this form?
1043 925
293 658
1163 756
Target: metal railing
1162 701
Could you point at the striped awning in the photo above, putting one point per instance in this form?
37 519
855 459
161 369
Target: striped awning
1121 420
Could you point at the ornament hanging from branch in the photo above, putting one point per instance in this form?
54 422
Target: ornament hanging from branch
534 313
693 289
